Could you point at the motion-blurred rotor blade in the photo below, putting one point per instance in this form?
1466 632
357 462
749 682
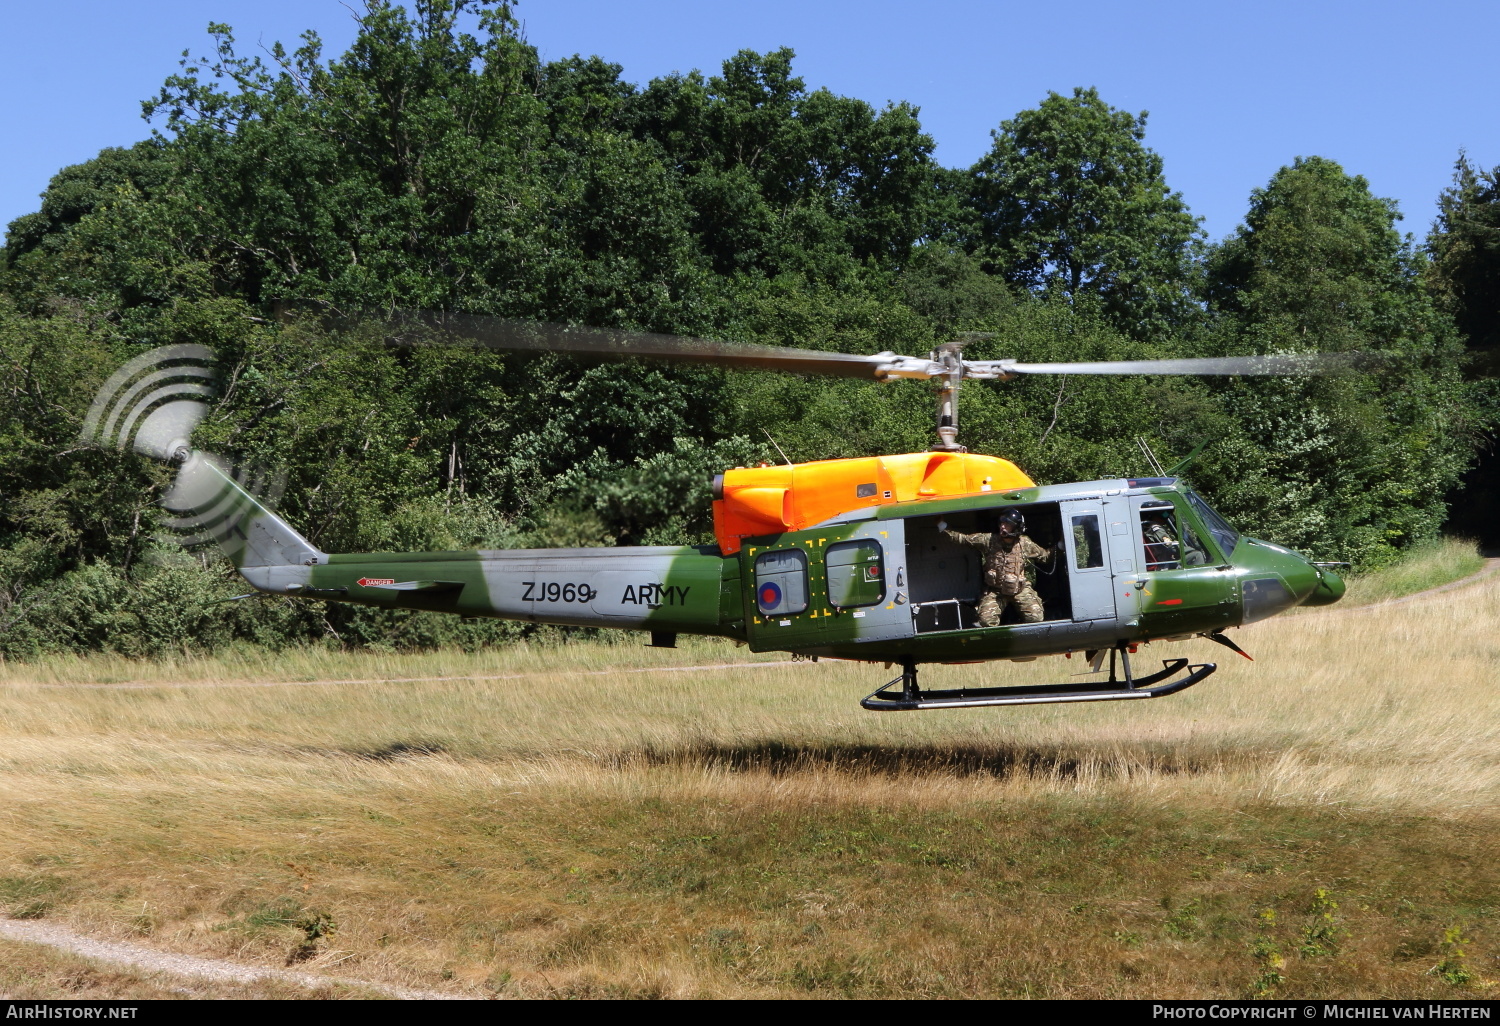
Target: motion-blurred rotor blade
525 336
415 328
153 402
1284 364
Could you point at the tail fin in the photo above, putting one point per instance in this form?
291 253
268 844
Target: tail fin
216 507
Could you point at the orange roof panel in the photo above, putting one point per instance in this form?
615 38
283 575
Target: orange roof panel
754 501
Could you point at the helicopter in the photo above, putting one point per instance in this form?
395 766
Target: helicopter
855 559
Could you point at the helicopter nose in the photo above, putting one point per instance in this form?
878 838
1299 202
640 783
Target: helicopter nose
1276 579
1329 590
1300 575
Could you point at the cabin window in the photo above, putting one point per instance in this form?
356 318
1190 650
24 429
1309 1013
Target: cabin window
856 574
1169 540
1088 551
781 582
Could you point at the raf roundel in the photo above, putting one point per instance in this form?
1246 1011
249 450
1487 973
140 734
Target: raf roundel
769 597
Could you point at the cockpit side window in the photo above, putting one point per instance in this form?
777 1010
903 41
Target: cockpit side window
1169 540
1225 535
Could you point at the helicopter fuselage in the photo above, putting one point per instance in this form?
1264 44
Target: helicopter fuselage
1129 561
873 558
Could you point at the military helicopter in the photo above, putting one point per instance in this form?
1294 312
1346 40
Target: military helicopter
847 558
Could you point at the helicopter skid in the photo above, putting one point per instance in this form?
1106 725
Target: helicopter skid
1154 685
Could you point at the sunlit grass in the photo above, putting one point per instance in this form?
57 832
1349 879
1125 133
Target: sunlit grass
1428 565
546 820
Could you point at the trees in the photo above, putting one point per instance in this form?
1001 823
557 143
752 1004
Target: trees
1318 257
786 180
1359 463
1465 275
1069 198
1465 248
422 169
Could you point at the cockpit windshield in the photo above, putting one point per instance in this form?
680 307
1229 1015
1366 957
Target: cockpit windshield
1226 536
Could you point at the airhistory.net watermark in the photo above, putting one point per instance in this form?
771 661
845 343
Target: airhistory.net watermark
41 1011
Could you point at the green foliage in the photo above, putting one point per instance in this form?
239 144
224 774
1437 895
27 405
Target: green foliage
1357 464
439 163
1453 969
1323 935
1268 958
1465 248
1183 922
1069 198
1318 256
783 180
665 498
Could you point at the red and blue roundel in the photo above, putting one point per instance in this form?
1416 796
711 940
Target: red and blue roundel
768 596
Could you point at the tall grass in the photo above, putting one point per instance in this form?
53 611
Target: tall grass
586 820
1427 565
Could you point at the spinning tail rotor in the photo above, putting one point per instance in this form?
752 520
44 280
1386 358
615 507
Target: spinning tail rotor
152 405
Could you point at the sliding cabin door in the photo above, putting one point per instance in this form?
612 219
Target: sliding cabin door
1090 574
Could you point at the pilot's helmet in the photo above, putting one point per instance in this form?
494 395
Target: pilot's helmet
1011 522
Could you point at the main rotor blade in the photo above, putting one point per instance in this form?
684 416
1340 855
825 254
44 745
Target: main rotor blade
413 328
525 336
1283 364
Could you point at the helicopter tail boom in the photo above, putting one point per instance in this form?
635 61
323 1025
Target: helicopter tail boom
214 506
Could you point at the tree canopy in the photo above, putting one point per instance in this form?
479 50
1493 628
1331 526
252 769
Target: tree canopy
1070 198
439 163
1319 266
1465 245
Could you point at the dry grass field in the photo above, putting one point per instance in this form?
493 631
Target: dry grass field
588 820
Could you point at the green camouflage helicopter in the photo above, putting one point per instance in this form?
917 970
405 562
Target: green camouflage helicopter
857 559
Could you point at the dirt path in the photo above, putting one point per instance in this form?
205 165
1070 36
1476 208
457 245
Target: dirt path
137 956
1477 577
402 680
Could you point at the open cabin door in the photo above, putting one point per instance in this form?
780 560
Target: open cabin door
1090 569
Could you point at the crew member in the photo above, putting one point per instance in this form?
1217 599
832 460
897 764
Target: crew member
1161 543
1006 551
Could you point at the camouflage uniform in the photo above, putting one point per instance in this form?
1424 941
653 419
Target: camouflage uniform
1005 579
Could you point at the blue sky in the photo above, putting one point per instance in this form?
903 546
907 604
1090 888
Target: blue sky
1390 90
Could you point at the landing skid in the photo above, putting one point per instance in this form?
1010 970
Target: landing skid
1155 685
